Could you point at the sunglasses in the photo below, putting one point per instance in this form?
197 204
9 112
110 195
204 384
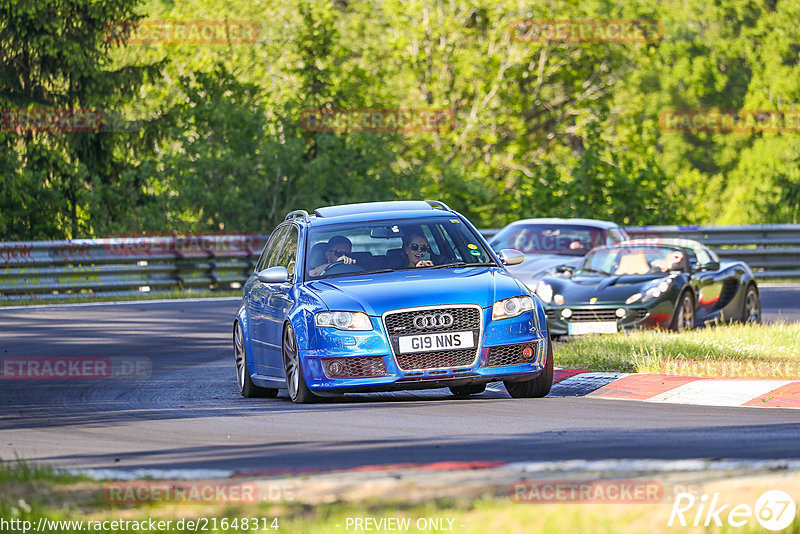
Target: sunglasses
423 248
338 253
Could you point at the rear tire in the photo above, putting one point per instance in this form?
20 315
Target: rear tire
246 386
751 310
684 317
295 381
538 387
469 389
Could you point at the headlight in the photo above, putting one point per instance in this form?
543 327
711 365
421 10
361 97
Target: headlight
544 291
656 291
633 298
343 320
507 308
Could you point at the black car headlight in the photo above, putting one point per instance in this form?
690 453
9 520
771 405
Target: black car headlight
651 294
343 320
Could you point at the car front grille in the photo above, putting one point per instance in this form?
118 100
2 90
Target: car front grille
412 322
509 355
423 361
584 316
402 323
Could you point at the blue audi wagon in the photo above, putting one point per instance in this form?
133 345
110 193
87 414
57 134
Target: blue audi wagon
387 296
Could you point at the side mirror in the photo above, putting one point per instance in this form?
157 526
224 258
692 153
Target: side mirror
710 266
565 269
510 256
274 275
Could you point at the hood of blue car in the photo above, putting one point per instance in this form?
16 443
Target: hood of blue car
608 289
378 293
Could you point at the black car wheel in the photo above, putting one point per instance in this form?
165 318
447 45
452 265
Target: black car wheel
751 312
539 386
466 391
246 386
295 382
684 316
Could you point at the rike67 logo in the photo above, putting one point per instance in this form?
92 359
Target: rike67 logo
774 510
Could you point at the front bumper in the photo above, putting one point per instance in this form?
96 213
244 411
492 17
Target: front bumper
655 314
356 348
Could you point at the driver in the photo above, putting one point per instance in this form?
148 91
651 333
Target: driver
673 261
338 248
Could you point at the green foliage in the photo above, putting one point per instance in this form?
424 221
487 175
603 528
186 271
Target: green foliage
542 129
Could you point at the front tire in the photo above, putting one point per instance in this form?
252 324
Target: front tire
751 311
538 387
295 381
684 317
246 386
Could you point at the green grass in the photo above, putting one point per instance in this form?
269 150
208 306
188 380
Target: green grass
177 294
731 351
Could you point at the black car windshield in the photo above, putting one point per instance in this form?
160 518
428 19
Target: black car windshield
635 260
392 245
565 239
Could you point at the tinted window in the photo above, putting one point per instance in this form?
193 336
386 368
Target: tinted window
393 245
550 238
288 254
272 248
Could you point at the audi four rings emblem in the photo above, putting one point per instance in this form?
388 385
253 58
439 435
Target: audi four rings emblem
434 320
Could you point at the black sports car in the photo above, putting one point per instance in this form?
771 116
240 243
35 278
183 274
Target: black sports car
648 283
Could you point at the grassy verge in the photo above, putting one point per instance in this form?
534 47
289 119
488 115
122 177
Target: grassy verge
123 298
730 351
27 498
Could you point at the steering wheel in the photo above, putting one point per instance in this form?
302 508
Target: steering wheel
341 268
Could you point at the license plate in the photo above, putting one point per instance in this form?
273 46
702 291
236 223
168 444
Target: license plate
598 327
436 342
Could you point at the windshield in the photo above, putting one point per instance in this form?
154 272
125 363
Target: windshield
394 245
552 239
635 260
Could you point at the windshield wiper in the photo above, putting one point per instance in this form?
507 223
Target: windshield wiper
462 264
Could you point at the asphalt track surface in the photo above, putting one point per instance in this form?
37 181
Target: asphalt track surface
187 413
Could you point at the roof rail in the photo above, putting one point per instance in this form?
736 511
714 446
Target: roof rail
438 204
298 213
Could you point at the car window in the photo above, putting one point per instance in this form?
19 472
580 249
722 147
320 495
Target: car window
275 247
379 245
636 260
613 236
288 254
272 244
569 239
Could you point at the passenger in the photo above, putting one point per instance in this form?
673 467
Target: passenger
338 248
414 246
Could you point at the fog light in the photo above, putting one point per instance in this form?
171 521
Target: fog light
527 353
566 313
621 312
335 368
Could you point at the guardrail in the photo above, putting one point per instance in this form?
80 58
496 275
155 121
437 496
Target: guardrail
136 265
771 250
125 265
